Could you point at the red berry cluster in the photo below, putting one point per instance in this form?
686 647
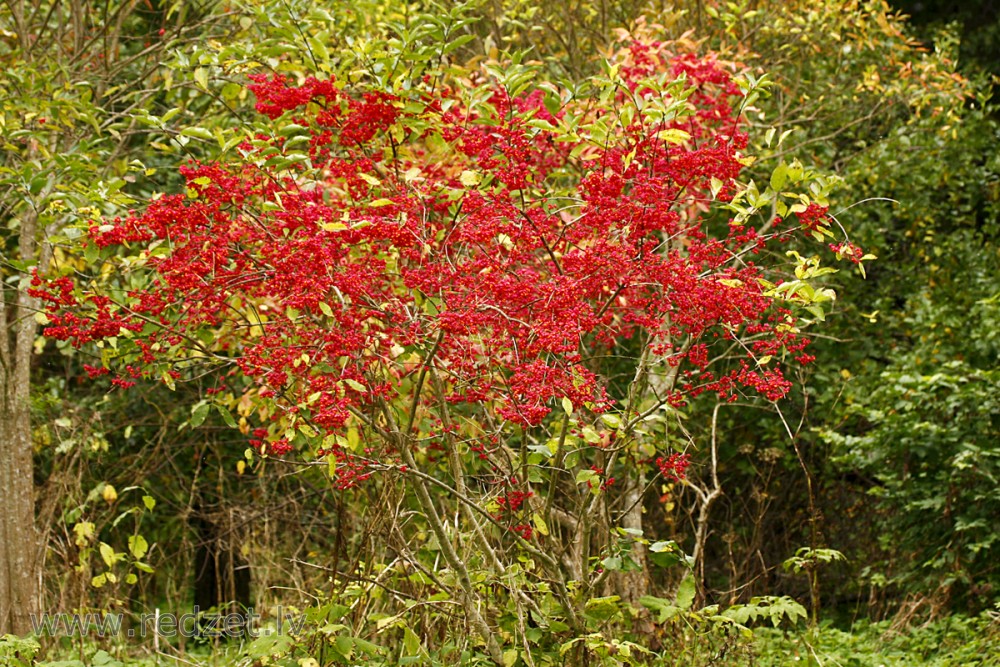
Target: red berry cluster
508 249
674 467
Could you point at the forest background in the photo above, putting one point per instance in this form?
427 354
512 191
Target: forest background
856 513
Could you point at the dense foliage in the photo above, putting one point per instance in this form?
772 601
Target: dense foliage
479 354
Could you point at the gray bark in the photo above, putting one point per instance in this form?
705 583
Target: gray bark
19 544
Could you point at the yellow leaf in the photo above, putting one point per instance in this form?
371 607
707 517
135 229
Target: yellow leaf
109 493
84 533
628 159
107 554
567 405
201 77
470 178
673 136
540 525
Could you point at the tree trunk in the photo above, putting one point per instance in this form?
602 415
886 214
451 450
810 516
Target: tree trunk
635 583
18 539
20 556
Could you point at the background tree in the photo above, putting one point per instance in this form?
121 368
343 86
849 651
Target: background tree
75 86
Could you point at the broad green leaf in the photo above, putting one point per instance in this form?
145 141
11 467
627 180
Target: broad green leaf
355 385
198 414
779 177
686 592
611 420
198 133
227 416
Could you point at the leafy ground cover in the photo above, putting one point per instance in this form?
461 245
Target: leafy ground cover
954 641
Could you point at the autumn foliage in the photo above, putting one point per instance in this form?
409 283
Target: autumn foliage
478 238
422 275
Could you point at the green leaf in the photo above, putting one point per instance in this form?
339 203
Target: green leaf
664 608
685 592
149 502
226 416
91 253
355 385
603 608
411 642
198 414
198 133
665 553
344 646
292 128
779 177
612 421
201 77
